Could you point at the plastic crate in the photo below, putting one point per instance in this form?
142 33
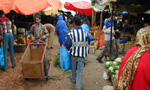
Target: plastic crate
123 41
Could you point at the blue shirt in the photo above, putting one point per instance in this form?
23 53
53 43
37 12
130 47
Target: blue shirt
107 30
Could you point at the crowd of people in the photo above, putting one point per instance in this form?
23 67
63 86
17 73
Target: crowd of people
135 65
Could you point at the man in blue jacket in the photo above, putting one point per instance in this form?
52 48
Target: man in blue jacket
62 30
107 31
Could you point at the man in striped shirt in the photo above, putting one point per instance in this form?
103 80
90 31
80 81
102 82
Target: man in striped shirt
8 39
77 43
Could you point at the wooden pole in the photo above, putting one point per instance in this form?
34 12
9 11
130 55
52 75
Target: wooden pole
92 20
111 34
123 34
100 28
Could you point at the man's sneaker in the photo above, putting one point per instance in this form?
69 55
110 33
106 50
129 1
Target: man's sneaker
99 60
105 57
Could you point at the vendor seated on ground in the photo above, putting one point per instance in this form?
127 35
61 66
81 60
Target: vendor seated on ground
38 30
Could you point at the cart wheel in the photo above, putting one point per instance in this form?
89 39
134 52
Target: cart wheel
46 66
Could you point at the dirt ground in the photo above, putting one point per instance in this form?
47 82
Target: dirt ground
59 79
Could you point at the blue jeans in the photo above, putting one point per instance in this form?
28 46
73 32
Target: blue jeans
8 40
77 64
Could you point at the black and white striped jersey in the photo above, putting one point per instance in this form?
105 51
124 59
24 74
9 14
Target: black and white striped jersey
79 40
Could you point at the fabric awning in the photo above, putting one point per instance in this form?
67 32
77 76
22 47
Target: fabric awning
82 7
134 7
28 7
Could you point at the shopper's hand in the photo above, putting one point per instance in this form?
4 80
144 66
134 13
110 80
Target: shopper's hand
32 38
43 37
117 30
113 33
62 46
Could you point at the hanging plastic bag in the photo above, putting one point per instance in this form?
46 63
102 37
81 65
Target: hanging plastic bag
65 60
1 57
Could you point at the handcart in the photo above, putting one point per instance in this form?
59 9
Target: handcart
34 62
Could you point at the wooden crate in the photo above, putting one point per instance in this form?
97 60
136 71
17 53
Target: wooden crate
19 48
92 49
33 61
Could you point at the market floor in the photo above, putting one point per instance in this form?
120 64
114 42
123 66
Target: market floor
60 80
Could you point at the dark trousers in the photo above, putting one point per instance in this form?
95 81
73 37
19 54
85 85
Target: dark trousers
106 49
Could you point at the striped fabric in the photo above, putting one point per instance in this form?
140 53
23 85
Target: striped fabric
79 39
5 23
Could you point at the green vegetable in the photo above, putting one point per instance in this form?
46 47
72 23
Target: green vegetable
111 69
114 63
107 64
118 60
117 67
56 61
116 71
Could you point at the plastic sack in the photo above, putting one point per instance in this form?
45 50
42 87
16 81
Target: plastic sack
1 57
107 87
105 76
65 60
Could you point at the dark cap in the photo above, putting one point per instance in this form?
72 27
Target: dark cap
38 16
1 12
77 20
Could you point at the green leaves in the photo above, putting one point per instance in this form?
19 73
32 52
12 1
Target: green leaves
56 61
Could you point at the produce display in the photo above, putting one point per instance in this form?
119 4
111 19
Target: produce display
128 46
22 38
113 68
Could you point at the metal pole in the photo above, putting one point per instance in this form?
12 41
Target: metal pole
123 34
16 25
100 28
26 36
111 34
92 19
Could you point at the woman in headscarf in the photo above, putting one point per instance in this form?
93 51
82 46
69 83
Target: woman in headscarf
134 73
62 30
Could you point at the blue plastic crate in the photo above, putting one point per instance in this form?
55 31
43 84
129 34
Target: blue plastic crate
123 41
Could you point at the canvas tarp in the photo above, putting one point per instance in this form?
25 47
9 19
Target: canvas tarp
133 7
28 7
82 7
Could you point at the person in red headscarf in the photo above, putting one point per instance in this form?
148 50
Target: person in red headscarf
134 72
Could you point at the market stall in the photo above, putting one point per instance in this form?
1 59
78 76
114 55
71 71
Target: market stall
134 7
22 18
28 7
